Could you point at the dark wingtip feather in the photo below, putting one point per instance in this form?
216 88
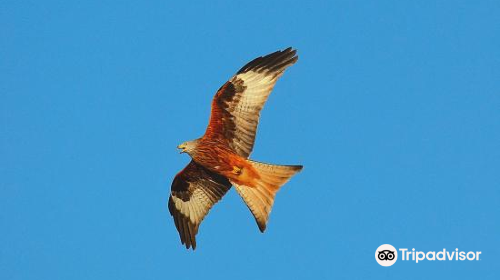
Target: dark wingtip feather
262 227
187 230
274 62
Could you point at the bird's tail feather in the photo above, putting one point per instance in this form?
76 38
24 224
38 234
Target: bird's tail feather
260 196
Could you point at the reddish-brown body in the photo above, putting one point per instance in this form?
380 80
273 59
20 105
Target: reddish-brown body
216 156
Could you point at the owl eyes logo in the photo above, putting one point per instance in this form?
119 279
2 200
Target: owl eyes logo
386 255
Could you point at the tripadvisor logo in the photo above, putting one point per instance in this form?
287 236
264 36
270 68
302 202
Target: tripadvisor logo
442 255
387 255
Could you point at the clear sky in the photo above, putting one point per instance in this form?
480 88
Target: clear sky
393 108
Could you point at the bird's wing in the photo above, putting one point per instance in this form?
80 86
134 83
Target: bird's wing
194 191
237 104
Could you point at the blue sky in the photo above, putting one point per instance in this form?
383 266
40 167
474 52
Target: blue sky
393 108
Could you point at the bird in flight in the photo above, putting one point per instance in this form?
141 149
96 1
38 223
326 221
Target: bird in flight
219 159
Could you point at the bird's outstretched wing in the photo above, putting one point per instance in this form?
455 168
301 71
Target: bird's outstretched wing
237 104
194 191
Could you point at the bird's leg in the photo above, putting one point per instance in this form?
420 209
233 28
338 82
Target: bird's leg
236 170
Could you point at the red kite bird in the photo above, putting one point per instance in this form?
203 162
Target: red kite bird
220 157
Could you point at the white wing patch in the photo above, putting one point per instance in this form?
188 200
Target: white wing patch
196 207
246 107
242 98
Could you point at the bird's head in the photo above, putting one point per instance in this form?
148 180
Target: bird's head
188 146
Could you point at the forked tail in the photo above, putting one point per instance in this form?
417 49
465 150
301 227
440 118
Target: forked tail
260 196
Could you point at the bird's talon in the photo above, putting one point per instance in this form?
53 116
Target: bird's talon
236 170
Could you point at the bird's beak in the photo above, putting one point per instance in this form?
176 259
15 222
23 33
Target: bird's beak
181 149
